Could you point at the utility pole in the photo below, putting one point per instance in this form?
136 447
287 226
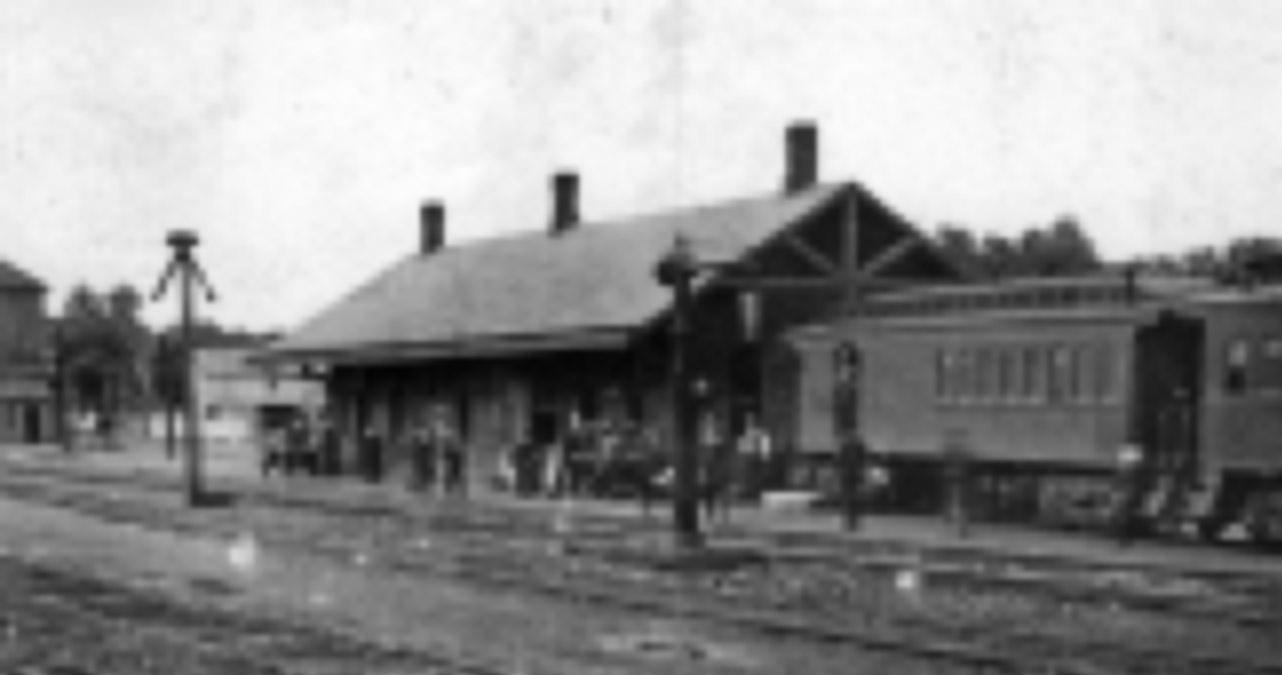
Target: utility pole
677 270
60 387
166 361
184 265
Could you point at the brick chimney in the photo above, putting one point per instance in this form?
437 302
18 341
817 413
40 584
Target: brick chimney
801 168
565 202
432 227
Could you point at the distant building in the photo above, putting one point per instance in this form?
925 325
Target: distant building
513 336
26 402
238 399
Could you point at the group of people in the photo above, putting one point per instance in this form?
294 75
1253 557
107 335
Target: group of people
301 445
608 459
590 459
434 453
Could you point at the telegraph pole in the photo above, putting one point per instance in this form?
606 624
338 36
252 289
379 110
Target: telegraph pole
677 270
184 265
60 387
167 352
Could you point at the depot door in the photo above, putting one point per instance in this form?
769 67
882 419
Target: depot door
1168 369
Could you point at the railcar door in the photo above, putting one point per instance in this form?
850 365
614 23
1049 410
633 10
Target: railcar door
1168 370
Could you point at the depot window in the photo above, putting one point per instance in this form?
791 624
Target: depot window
1237 358
1271 364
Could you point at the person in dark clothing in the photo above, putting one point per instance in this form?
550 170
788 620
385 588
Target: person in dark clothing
576 458
422 459
753 457
718 461
647 463
449 448
372 456
1131 488
330 450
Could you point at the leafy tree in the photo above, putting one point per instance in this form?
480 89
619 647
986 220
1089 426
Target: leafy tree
960 244
1242 260
1062 248
104 348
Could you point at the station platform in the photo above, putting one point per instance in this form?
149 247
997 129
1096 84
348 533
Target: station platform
232 469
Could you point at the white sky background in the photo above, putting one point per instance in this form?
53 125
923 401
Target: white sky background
299 137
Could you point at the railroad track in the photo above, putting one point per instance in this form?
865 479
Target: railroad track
64 623
1225 597
975 649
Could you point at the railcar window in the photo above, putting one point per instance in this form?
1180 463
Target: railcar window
944 376
984 376
1005 375
965 377
1105 373
1027 381
1041 374
1083 374
1060 373
1237 359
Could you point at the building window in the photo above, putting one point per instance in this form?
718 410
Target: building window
1271 364
1237 358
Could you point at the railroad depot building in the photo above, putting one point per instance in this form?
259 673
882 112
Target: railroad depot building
26 404
509 335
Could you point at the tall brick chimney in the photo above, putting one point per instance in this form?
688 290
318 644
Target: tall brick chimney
565 202
801 168
432 227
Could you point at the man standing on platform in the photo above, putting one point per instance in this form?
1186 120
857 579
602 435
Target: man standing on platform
1131 487
851 450
422 458
372 455
449 448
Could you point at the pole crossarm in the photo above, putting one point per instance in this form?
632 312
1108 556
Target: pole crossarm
171 270
198 273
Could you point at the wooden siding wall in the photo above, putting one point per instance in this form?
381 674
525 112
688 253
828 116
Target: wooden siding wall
1242 429
903 414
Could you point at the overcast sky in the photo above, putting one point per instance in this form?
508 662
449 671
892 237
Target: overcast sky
299 137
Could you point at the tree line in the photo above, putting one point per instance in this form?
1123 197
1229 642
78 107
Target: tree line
1064 248
111 363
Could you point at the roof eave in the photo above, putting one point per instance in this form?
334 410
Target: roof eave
496 346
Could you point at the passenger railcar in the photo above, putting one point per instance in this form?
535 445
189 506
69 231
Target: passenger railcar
1043 382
